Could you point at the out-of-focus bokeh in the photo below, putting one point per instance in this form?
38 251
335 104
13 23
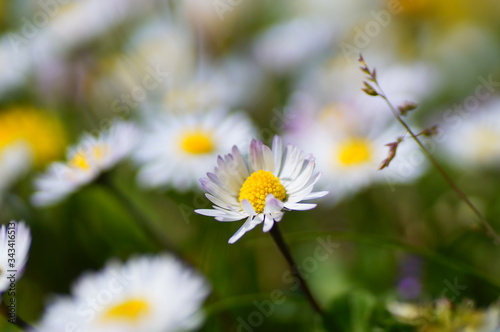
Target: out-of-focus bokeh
393 246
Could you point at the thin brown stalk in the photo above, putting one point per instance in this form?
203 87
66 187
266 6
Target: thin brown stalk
460 193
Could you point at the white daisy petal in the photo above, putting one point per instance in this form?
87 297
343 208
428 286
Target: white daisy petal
247 226
273 204
210 212
277 153
268 224
300 206
314 195
247 207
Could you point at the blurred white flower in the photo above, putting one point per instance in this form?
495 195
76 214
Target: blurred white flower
15 241
348 130
288 45
305 32
15 65
177 147
472 140
260 187
349 149
79 21
85 162
148 293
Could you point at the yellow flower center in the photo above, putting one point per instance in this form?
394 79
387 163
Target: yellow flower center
258 185
42 133
130 310
354 152
81 158
197 142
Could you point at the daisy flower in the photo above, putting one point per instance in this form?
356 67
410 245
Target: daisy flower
148 293
349 150
260 187
15 240
85 162
177 146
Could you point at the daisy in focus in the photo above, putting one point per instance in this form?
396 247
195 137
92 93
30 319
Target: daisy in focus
15 241
85 162
148 293
177 147
260 187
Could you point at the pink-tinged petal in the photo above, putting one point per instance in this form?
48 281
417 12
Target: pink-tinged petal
268 160
223 204
240 166
248 208
215 190
214 179
256 158
220 162
272 204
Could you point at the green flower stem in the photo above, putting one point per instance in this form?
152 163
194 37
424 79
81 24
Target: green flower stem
146 224
18 321
283 247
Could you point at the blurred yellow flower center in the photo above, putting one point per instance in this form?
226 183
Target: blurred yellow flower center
39 130
81 158
258 185
354 152
197 142
131 310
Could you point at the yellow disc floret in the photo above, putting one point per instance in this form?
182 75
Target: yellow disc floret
197 142
258 185
38 129
354 152
79 160
130 310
